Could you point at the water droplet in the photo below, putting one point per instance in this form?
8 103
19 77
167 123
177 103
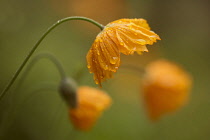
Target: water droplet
121 43
113 70
106 67
113 60
88 66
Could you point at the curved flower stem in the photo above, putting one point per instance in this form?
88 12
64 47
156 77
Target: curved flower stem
49 56
43 86
30 66
39 41
140 70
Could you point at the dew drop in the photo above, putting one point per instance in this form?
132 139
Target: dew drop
114 60
113 70
106 67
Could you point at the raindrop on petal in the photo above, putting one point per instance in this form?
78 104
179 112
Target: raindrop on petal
114 60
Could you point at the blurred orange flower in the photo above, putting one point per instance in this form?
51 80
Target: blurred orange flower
100 10
166 88
121 36
91 103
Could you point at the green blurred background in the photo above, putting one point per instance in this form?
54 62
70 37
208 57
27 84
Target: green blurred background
32 114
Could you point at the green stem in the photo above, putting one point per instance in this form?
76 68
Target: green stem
37 44
137 69
43 86
49 56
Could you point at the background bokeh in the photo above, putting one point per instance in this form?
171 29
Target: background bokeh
29 113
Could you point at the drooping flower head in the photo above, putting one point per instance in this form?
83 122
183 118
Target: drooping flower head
166 88
121 36
91 104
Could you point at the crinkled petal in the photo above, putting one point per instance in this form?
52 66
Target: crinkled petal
140 22
121 36
104 58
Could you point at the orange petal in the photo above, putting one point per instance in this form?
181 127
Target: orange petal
121 36
91 104
166 88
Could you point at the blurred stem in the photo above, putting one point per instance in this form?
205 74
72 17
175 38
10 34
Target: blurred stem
138 69
43 86
49 56
39 41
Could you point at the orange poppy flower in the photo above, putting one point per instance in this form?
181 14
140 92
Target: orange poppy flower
91 103
121 36
166 88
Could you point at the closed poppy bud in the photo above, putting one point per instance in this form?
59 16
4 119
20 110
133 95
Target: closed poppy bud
166 88
68 89
91 104
121 36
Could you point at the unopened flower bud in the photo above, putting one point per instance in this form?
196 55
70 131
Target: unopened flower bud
68 91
